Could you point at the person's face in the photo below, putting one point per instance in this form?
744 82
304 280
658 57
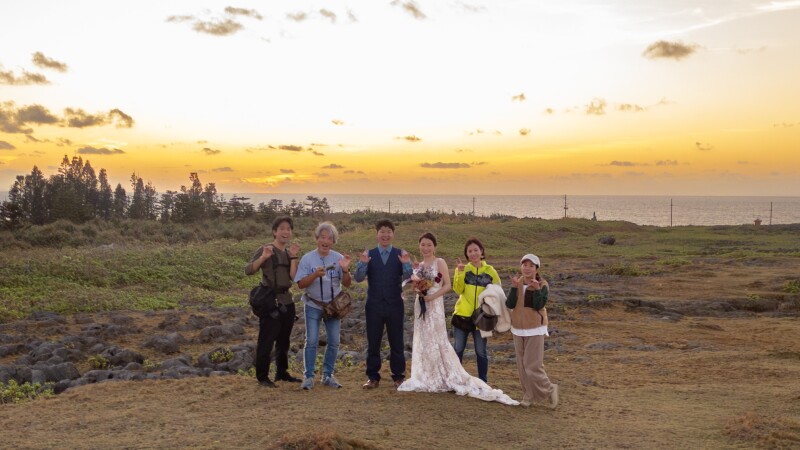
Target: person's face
529 269
426 247
324 242
474 254
385 236
283 233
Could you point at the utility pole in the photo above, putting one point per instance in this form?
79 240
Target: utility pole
565 206
473 206
770 213
390 206
670 213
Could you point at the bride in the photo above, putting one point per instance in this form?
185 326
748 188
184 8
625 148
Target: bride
434 364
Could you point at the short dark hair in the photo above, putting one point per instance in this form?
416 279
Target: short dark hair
279 220
384 223
429 236
476 241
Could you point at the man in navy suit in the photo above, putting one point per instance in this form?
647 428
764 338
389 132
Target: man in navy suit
386 267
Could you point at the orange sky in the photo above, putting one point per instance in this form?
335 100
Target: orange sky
504 97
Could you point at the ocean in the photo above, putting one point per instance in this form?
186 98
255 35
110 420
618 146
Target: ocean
642 210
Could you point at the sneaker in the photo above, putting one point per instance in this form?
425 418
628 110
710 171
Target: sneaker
307 384
331 381
554 397
286 377
267 383
525 403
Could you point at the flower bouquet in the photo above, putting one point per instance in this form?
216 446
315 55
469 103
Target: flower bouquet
422 279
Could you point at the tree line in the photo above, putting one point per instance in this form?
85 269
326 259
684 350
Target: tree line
78 194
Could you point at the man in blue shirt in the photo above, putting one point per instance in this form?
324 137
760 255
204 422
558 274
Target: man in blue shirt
386 267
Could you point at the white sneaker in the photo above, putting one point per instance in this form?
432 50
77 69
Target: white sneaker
331 381
307 384
525 403
554 397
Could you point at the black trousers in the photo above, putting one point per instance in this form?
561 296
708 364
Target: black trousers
382 315
274 332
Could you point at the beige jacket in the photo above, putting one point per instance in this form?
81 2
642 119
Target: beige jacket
495 298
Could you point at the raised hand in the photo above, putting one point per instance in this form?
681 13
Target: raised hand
404 257
364 257
294 250
415 263
534 285
344 263
320 272
266 251
459 265
515 281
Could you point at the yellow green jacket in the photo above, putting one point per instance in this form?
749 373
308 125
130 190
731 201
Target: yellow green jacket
470 283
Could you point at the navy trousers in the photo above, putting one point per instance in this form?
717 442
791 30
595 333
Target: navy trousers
391 317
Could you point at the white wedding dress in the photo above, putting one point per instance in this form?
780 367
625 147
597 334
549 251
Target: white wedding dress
434 364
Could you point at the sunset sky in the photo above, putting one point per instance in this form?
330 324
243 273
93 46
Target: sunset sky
637 97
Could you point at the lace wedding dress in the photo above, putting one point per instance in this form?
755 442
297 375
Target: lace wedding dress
434 364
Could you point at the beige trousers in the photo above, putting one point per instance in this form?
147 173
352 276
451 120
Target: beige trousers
536 387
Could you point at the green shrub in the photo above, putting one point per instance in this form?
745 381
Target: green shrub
98 362
624 270
16 393
792 287
221 355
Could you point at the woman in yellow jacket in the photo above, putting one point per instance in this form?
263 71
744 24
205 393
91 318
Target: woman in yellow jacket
469 281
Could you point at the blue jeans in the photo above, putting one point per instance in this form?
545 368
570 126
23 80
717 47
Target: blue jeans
332 326
460 343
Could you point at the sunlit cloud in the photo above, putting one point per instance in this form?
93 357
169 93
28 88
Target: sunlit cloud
518 98
411 8
667 162
337 122
470 8
123 120
443 165
297 17
27 78
6 146
478 131
243 12
290 148
217 27
785 125
287 171
628 107
328 15
32 138
211 151
669 50
99 151
43 62
61 142
410 138
333 166
524 131
361 172
78 118
703 147
37 114
351 16
321 174
549 111
222 169
780 6
597 107
623 163
316 153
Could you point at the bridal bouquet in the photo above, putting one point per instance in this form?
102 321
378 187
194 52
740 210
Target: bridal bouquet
423 278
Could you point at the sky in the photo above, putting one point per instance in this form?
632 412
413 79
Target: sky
585 97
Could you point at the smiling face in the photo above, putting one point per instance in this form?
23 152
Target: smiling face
528 269
474 254
324 242
283 233
426 247
385 236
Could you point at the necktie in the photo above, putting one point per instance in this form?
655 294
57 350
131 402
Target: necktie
384 256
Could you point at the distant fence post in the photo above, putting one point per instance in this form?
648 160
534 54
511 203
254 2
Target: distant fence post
670 213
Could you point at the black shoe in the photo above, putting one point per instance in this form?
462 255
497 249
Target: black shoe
267 383
287 377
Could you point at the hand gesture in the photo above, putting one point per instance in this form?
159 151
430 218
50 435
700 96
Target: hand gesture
320 272
344 263
459 265
404 257
415 263
534 285
266 251
515 281
364 257
294 250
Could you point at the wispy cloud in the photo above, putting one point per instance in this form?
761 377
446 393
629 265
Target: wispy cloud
211 151
785 125
316 153
123 120
670 50
549 111
99 151
337 122
243 12
703 147
524 131
629 107
518 98
667 162
470 8
37 114
411 138
411 8
297 17
333 166
217 27
330 15
287 171
6 146
27 78
444 165
290 148
222 169
623 164
361 172
597 107
41 61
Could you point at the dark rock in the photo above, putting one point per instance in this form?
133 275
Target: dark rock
58 372
170 322
706 326
122 320
607 240
180 361
196 322
120 357
41 316
163 344
220 333
13 349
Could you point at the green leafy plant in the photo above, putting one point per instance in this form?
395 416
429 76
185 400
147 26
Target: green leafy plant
14 392
792 287
251 372
98 362
222 355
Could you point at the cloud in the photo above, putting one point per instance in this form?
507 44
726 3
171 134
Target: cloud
443 165
361 172
470 8
463 150
597 107
622 164
6 146
317 144
352 16
316 153
667 162
518 98
333 166
785 125
628 107
60 142
39 60
337 122
744 163
222 169
32 138
703 147
78 118
549 111
322 174
744 51
297 17
524 131
479 163
123 120
287 171
211 151
9 123
410 138
99 151
672 50
478 131
410 7
290 148
217 27
328 15
27 78
180 18
35 114
243 12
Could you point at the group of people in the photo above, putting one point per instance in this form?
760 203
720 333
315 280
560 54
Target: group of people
436 363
